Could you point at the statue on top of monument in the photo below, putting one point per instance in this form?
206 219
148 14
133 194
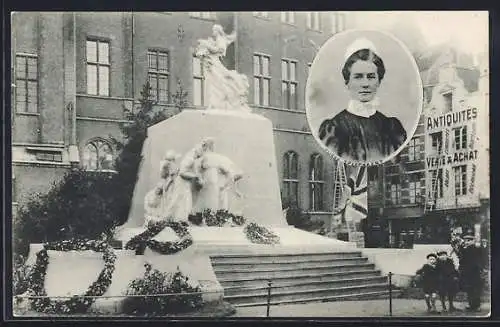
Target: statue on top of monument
225 89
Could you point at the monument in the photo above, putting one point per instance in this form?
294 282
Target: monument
217 162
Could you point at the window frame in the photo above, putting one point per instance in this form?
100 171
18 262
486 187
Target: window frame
313 21
460 137
439 192
448 101
287 83
291 175
461 188
261 14
98 66
157 72
260 77
415 192
338 20
288 17
27 80
205 15
98 168
316 182
413 153
201 79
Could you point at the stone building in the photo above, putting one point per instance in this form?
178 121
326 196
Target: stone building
441 180
74 75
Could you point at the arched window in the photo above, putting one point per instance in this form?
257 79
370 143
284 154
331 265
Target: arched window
291 177
316 182
98 156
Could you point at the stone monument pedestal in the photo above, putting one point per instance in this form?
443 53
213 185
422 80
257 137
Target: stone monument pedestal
246 138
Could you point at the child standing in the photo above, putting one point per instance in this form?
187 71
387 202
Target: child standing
448 279
429 276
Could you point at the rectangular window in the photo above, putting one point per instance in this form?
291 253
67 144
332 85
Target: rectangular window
158 75
27 83
314 20
202 14
261 14
395 190
291 177
460 139
288 17
338 22
414 188
460 180
415 150
262 79
289 83
437 141
98 67
436 184
316 183
198 82
448 102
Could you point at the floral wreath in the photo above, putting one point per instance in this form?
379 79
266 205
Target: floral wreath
260 235
76 303
144 239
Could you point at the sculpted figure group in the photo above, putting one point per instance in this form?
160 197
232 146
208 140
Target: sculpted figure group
201 180
226 89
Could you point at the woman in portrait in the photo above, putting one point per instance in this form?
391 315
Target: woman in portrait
361 132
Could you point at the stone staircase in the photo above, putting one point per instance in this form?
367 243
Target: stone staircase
298 278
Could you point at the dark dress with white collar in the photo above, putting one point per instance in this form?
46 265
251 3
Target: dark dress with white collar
358 138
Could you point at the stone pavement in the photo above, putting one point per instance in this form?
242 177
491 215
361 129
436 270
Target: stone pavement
371 308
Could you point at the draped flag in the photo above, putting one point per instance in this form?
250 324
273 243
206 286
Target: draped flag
354 204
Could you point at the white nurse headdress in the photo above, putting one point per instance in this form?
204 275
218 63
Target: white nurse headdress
358 44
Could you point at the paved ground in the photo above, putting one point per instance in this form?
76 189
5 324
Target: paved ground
372 308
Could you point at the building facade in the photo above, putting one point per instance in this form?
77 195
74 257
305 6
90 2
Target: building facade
75 75
441 180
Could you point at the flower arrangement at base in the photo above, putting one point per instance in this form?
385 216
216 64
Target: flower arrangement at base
260 235
178 294
144 239
221 218
77 303
196 219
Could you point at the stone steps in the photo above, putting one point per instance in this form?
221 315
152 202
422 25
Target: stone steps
250 281
296 278
283 258
271 273
304 286
287 265
291 296
353 297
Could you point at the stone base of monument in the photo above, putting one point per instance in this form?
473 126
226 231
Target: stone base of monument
232 240
71 273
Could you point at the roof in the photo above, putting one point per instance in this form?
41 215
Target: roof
470 77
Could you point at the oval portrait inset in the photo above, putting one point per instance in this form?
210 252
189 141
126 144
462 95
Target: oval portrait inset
363 96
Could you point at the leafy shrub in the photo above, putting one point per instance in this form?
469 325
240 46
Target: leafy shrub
156 282
79 206
87 204
20 275
298 218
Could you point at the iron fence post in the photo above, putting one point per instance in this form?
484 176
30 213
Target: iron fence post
390 294
269 284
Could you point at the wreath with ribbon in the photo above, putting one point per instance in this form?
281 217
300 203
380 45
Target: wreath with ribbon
218 218
77 303
145 239
260 235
